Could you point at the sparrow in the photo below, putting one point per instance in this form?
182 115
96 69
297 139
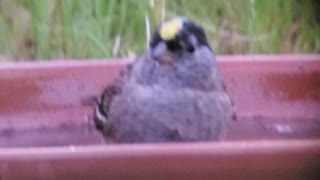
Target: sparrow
173 92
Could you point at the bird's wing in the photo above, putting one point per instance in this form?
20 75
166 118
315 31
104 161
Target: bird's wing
103 102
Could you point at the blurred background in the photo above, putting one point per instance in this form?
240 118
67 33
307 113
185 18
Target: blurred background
87 29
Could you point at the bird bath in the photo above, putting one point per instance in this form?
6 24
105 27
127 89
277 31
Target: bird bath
45 132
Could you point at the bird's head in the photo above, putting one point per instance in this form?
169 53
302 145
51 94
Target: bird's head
176 36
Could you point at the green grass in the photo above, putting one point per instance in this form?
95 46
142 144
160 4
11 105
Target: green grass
78 29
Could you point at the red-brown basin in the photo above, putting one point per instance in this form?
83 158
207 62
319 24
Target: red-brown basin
44 132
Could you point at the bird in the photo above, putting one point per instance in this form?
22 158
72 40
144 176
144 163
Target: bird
173 92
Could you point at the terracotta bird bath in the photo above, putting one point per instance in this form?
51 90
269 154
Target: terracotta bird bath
45 133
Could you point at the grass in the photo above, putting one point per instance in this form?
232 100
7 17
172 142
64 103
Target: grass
46 29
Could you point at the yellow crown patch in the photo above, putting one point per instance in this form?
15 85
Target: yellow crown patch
170 29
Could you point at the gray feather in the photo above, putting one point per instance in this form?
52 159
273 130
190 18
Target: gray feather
183 101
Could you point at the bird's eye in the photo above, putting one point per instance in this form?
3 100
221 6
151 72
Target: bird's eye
187 41
190 49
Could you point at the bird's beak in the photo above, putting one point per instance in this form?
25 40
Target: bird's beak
161 54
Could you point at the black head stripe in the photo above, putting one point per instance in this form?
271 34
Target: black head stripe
156 39
187 39
197 31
